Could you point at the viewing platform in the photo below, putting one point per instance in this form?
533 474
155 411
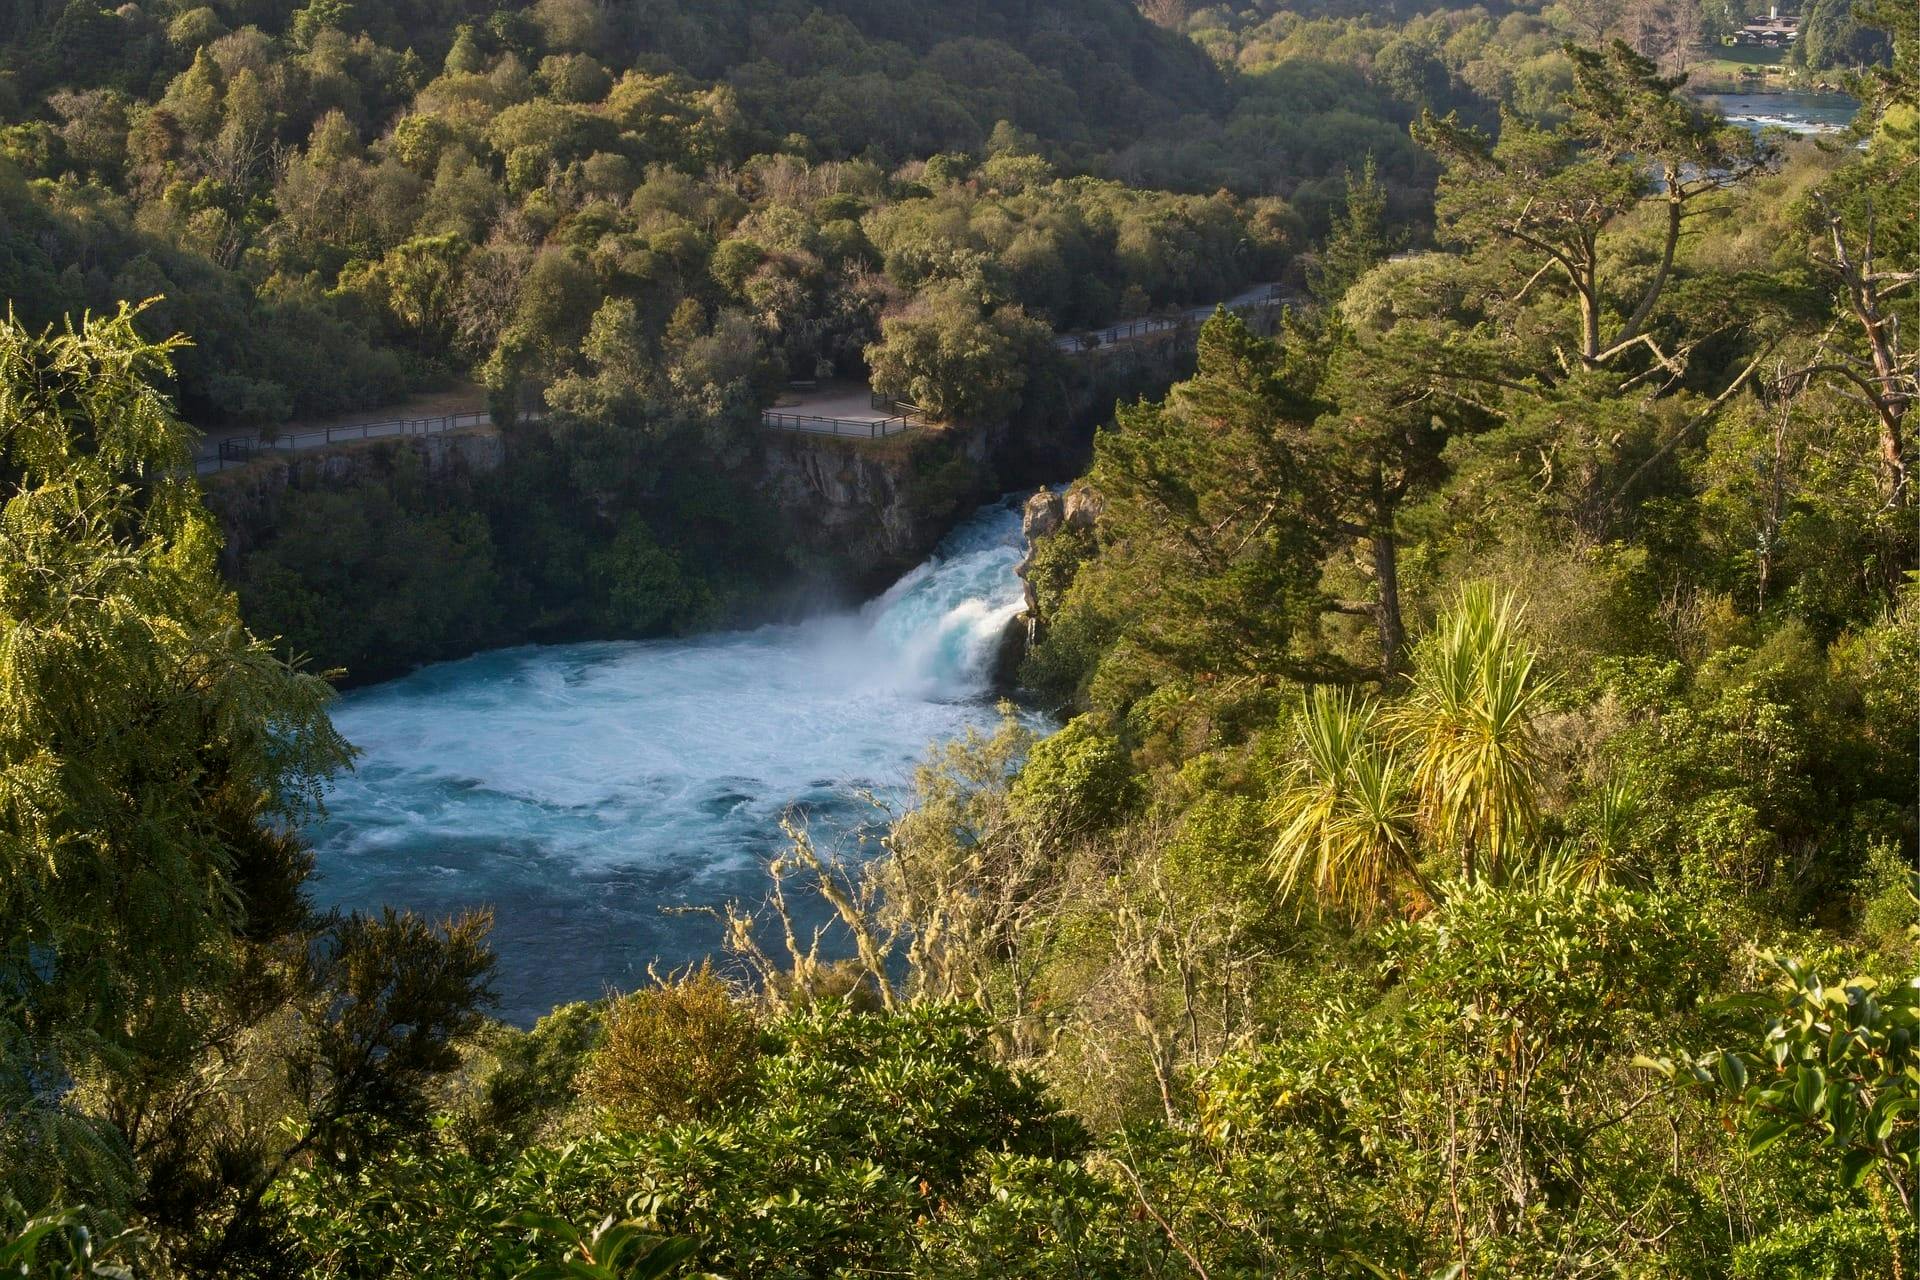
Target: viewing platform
841 409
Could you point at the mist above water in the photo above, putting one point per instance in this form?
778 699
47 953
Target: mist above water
579 789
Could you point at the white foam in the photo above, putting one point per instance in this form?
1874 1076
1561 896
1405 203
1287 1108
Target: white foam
666 758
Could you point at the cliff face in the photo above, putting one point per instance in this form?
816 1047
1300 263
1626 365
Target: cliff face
862 512
247 499
1047 513
378 555
865 511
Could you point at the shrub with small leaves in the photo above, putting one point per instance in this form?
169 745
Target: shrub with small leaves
674 1052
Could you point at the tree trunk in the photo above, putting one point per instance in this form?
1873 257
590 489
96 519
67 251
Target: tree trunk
1386 581
1891 403
1892 457
1587 285
1864 299
1676 202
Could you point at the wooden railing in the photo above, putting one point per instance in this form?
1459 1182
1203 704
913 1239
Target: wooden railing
899 416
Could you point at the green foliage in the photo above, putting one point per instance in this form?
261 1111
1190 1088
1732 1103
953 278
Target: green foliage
522 1085
60 1246
1831 38
957 360
851 1138
1358 240
397 993
601 524
378 577
274 167
1727 764
1613 400
1838 1066
1317 1154
1469 719
1075 779
143 731
674 1052
1345 811
1195 571
1842 1244
645 587
614 1251
177 1027
1650 386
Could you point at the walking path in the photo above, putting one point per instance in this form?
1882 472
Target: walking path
455 409
836 408
1127 330
842 408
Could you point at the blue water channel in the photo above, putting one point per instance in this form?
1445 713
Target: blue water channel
585 791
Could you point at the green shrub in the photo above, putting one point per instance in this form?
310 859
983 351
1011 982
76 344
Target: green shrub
674 1052
1076 780
1847 1244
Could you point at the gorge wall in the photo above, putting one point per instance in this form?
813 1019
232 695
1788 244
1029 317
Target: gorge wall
864 511
248 500
377 556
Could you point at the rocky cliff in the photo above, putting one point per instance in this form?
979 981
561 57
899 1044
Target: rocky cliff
865 511
247 499
834 521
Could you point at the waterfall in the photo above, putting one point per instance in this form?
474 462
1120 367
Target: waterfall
939 628
579 789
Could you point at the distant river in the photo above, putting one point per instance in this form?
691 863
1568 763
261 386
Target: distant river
1803 113
579 789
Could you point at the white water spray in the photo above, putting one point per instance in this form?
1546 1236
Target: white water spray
578 789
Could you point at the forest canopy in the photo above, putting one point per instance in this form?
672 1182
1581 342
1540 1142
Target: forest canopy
1462 822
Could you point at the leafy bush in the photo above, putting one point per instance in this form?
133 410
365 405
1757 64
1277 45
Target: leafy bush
853 1134
1075 780
956 359
61 1246
1848 1244
675 1052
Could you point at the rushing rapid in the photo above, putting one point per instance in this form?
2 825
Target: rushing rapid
1807 114
584 791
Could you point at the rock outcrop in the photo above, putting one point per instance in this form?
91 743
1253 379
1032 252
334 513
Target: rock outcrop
863 512
1047 512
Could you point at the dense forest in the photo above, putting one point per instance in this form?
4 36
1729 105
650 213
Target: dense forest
639 224
1473 828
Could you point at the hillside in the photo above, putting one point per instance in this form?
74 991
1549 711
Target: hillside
1456 816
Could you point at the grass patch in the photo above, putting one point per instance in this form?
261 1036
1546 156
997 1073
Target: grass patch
1748 55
